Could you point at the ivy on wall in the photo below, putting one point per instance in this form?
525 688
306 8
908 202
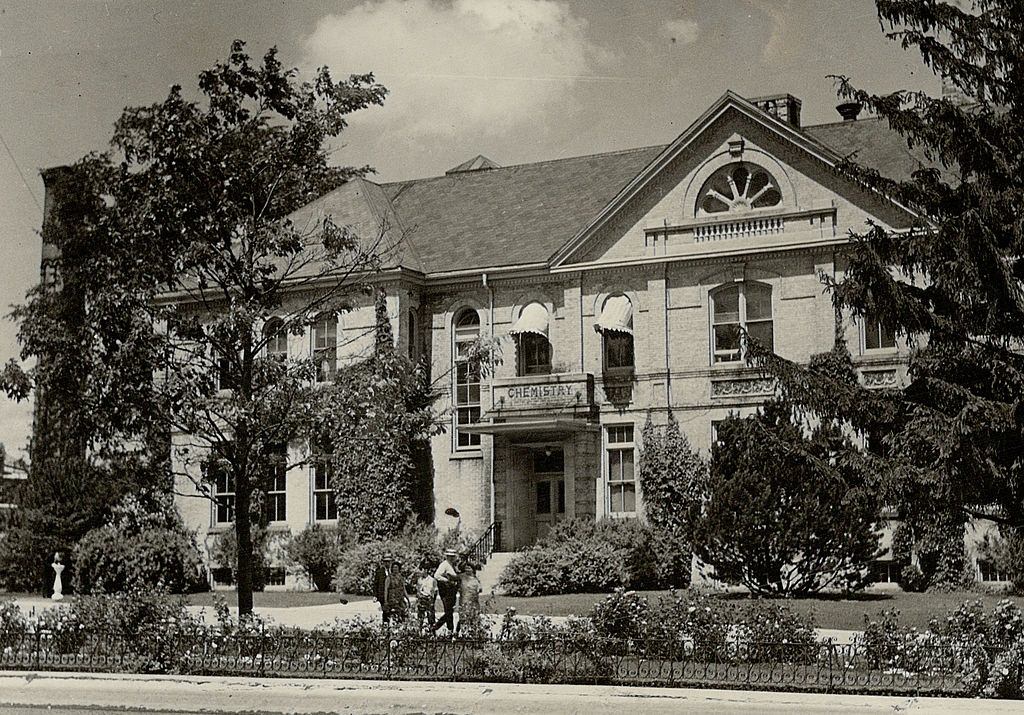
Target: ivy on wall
378 417
673 482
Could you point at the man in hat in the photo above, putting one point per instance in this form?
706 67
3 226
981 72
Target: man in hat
389 588
447 577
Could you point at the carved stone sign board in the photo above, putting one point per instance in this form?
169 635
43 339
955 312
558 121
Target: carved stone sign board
545 392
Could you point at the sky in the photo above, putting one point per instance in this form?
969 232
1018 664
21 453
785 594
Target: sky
514 80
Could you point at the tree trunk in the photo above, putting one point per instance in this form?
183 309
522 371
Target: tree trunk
243 534
244 484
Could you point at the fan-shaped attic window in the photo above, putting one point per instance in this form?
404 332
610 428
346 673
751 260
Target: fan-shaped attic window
738 187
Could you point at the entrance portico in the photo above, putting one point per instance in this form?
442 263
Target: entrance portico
546 460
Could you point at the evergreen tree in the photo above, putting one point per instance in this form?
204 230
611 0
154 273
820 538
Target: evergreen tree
785 516
673 482
950 444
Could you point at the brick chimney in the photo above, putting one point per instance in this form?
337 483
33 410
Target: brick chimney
783 106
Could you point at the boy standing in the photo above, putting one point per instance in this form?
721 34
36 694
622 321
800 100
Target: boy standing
426 596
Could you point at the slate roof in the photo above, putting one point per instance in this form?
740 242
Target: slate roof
870 142
364 207
515 215
511 215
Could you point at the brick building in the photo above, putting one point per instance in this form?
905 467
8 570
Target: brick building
615 284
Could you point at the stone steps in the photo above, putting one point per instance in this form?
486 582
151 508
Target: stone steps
491 571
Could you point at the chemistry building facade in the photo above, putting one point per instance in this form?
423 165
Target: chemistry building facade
615 285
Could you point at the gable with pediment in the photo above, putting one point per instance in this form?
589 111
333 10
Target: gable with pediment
736 186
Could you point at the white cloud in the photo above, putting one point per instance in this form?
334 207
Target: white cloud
682 31
461 67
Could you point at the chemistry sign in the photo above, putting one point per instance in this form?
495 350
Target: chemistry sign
563 391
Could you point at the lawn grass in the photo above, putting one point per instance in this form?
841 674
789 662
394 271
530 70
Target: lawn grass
828 611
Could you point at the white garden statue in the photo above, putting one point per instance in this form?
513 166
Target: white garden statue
58 587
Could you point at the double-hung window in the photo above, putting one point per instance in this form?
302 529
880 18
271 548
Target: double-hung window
325 346
466 393
223 483
324 506
621 475
877 336
277 339
276 502
735 308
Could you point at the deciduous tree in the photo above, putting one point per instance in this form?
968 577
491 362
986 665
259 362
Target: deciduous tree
193 266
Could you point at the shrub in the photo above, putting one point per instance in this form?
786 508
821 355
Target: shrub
942 563
144 545
225 554
623 614
413 545
13 625
583 556
1007 673
770 632
533 572
317 551
985 648
140 626
781 519
912 579
694 619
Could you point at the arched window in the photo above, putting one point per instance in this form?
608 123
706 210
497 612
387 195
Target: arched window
746 306
466 393
616 326
277 339
533 349
325 346
738 187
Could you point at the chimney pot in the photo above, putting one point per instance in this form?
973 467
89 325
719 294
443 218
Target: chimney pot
849 110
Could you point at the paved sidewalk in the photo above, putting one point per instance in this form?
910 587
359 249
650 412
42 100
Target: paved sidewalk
140 693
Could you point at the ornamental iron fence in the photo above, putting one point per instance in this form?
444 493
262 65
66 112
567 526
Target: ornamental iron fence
277 652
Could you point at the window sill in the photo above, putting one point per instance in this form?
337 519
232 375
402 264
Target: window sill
278 527
467 454
221 528
618 373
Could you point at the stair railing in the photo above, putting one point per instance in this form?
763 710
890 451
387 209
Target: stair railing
487 544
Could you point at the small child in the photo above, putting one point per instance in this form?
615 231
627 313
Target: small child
426 595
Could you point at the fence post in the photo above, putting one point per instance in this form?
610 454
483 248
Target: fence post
831 657
263 647
35 649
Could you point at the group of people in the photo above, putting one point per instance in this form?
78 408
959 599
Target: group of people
454 581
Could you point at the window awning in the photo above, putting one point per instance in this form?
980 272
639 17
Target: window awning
617 315
533 319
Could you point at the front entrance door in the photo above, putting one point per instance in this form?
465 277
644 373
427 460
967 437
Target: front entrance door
548 488
550 493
